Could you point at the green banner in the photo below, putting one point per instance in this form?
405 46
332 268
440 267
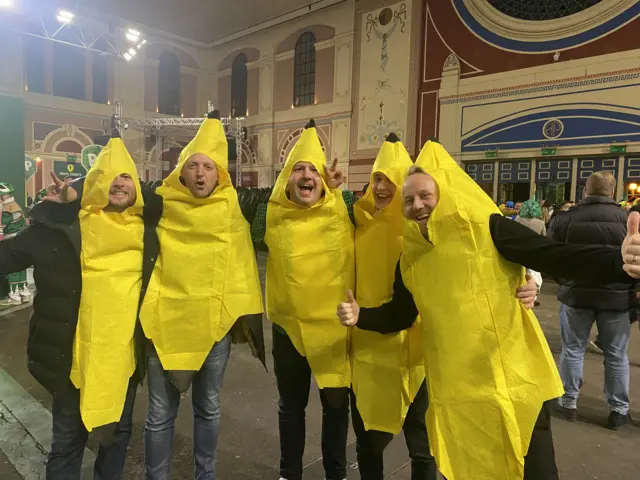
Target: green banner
89 155
68 169
30 167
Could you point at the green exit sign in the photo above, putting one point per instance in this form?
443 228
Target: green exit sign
548 151
618 149
491 154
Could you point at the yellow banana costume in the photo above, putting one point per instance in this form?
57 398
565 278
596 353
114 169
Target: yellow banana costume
206 276
309 268
489 368
387 369
111 260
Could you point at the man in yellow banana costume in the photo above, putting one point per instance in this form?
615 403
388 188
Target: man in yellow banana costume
82 344
204 284
488 367
309 235
388 386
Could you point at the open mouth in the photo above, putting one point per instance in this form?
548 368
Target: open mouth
383 195
305 188
422 217
119 194
200 184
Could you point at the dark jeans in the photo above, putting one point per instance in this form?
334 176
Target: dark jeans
164 401
370 444
293 376
540 461
70 437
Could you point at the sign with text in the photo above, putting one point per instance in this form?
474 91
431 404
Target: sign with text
548 151
89 155
491 154
617 149
68 170
30 167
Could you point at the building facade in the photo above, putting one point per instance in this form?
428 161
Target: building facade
533 98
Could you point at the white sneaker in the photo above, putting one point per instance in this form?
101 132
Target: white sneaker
15 298
25 295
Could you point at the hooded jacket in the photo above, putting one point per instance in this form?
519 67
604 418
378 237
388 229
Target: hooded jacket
53 246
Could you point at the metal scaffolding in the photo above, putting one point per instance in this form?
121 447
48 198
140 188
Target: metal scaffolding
157 127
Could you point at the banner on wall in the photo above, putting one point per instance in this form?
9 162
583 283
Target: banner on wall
68 170
30 167
89 155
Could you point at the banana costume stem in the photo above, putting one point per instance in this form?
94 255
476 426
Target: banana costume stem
388 370
111 259
309 268
206 276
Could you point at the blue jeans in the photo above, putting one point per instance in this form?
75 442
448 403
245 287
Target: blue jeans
70 438
164 400
614 331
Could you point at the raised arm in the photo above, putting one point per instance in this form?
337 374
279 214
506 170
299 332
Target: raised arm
589 263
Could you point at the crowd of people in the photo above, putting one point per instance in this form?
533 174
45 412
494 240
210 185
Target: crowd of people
158 279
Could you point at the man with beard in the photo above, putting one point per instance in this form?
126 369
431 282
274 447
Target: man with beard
82 346
487 417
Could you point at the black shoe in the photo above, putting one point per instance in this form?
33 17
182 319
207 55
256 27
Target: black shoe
617 420
568 414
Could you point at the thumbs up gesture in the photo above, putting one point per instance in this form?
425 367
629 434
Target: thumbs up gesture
334 176
349 311
631 247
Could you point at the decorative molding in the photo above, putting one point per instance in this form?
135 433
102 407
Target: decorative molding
574 82
289 54
534 37
451 64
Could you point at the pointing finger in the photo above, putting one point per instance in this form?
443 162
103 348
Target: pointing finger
59 183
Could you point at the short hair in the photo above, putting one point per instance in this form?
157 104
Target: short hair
601 184
415 169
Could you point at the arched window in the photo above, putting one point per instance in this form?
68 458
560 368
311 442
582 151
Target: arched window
304 73
239 86
169 84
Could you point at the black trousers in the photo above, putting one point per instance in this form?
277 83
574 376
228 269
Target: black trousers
370 444
293 376
540 461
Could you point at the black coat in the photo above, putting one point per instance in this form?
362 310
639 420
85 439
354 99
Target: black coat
52 245
595 221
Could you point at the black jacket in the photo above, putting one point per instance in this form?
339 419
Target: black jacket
520 245
52 245
595 221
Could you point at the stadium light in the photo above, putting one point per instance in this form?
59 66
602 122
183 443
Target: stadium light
65 16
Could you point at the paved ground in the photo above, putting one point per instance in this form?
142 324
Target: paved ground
249 440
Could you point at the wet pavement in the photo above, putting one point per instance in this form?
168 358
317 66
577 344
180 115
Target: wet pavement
249 445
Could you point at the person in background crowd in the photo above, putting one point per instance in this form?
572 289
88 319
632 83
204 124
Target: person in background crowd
597 220
84 347
509 210
389 393
531 215
482 410
547 212
13 222
305 279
